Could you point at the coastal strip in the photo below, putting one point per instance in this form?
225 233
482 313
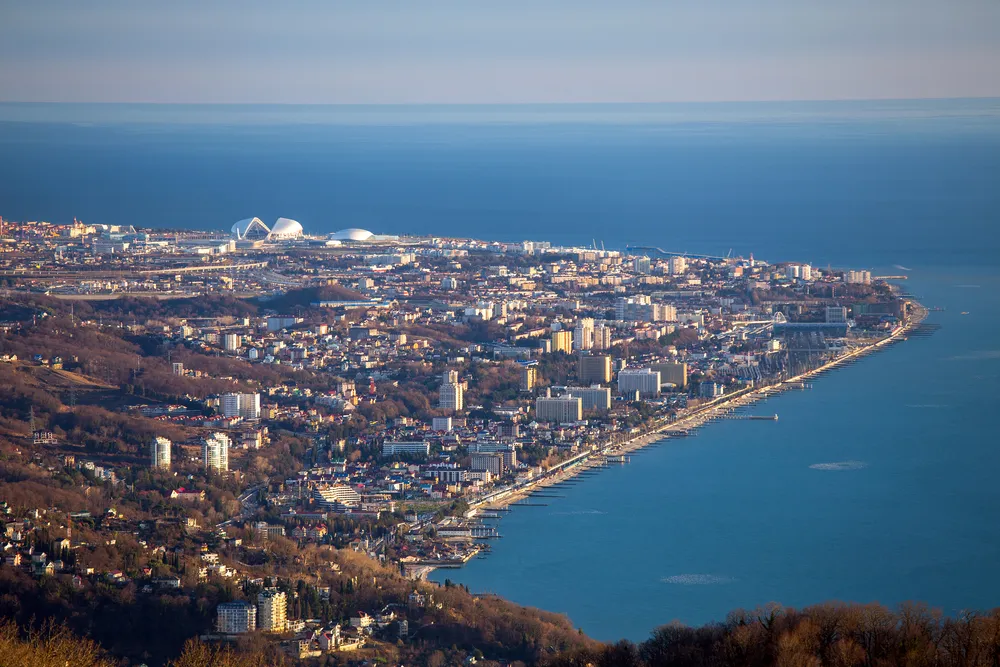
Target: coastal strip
719 408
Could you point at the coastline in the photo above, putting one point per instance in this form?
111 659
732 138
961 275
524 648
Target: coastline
502 499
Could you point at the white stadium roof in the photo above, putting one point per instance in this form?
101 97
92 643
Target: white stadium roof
286 228
250 229
254 229
351 234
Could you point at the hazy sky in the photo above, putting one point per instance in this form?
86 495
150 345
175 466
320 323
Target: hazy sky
424 51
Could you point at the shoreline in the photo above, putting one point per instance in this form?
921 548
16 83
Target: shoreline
503 499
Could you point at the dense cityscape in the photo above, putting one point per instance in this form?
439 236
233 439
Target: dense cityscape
271 438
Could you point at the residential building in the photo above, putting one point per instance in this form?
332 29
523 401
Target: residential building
594 369
561 409
215 452
858 277
677 266
641 265
231 342
672 373
159 451
646 381
417 447
235 618
441 424
240 405
562 341
451 395
529 375
583 334
593 398
489 462
836 314
337 494
602 337
711 390
272 610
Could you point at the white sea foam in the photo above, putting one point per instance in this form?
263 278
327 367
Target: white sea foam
969 286
697 579
901 267
927 405
579 512
838 466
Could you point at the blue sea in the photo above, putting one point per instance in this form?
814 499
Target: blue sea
879 483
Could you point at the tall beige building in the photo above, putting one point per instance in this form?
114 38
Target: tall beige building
272 611
672 373
529 375
594 369
562 341
451 395
602 337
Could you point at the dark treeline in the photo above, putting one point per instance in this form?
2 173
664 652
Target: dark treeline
826 635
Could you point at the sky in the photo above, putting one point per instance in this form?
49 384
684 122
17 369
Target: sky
499 51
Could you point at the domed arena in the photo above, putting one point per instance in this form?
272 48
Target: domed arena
285 229
351 234
250 229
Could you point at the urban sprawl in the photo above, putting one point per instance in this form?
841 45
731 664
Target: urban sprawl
268 409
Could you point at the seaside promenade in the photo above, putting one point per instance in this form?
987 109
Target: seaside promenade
716 409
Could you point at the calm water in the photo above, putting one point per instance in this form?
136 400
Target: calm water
744 513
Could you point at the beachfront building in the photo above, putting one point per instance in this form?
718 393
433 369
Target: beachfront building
488 462
593 398
672 373
645 381
559 409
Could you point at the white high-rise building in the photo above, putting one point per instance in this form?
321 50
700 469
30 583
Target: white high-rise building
678 266
602 337
593 398
235 618
231 342
159 451
215 452
272 611
644 380
641 265
583 334
562 409
451 395
241 405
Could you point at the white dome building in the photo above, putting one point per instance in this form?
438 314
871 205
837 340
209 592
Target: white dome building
251 229
285 229
351 234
